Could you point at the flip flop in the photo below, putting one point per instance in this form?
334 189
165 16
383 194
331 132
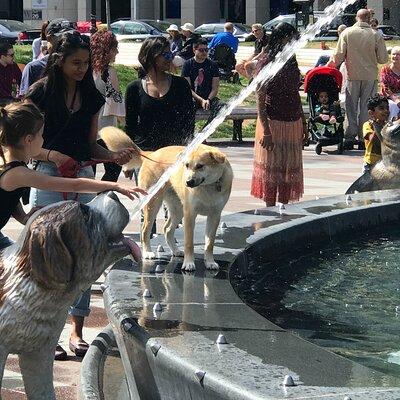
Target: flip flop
79 349
60 354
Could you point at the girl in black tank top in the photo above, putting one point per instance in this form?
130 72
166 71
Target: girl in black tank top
21 127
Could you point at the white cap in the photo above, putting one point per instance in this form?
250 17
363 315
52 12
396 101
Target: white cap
173 27
187 26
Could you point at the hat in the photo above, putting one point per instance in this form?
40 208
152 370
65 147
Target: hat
58 26
173 27
187 26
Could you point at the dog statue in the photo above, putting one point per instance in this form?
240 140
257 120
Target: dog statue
201 186
63 249
386 173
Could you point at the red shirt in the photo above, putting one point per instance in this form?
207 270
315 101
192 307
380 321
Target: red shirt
390 82
9 75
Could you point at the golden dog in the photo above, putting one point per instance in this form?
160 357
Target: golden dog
201 186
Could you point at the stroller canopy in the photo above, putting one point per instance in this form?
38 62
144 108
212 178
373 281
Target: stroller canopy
316 79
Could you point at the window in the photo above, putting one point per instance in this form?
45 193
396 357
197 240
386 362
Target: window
133 28
173 8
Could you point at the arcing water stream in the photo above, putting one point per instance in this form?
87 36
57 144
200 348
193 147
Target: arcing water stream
267 73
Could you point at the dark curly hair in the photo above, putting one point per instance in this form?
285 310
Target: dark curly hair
100 45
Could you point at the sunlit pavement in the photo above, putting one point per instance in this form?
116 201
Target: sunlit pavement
325 175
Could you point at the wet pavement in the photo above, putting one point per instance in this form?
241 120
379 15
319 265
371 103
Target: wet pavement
325 175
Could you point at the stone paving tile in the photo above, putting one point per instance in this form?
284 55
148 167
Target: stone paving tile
325 175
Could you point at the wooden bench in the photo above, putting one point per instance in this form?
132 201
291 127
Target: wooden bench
238 115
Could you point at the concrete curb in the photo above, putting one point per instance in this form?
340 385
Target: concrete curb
91 387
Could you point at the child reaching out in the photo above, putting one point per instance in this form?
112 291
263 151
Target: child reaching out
378 111
21 129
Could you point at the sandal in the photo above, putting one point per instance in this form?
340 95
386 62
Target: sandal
60 354
80 348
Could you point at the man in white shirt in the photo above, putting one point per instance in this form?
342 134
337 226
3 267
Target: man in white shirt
361 48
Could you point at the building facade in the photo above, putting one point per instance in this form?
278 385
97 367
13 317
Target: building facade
178 11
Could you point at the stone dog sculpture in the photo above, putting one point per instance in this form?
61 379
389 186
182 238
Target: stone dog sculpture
63 249
386 173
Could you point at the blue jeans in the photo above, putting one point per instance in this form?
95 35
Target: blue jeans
43 198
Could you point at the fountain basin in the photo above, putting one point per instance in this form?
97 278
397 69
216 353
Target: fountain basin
173 354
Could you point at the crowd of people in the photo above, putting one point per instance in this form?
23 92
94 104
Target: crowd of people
70 90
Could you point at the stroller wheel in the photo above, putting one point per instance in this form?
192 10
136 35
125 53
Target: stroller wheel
340 148
318 148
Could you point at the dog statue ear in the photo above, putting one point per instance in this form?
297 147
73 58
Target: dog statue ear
218 157
51 262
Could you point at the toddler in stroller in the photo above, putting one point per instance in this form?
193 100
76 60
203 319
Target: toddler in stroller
325 125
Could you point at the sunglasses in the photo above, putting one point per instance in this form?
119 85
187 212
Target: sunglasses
168 55
202 50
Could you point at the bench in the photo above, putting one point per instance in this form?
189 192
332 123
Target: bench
238 115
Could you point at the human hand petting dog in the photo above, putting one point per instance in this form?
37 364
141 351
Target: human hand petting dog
123 156
131 192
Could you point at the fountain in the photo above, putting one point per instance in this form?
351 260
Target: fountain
198 336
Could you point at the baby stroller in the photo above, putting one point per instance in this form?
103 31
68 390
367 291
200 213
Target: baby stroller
224 56
329 80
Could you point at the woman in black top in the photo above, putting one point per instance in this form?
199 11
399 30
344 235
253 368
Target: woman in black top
70 102
159 107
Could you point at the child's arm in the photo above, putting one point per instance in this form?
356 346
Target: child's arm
24 177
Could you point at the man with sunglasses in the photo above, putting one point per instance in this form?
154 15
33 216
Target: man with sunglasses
247 67
203 76
10 74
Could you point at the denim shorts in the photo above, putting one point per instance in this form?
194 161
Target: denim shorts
40 197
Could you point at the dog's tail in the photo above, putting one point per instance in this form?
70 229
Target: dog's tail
116 139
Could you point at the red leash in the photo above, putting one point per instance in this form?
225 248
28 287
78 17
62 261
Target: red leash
71 168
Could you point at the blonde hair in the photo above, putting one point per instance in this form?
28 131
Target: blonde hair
18 120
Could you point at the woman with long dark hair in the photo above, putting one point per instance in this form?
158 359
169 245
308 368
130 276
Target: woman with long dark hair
278 165
70 102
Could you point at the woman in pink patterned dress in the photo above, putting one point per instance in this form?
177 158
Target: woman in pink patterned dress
278 164
390 82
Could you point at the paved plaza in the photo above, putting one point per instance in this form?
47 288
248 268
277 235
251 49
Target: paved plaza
325 175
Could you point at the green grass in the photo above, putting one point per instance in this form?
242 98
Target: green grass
23 54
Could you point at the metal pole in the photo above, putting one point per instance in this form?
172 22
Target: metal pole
108 14
133 9
93 27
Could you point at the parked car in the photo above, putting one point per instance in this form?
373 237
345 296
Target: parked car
12 31
389 32
241 31
134 30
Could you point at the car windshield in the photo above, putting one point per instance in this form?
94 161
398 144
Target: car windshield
160 25
204 29
15 26
116 27
244 28
282 18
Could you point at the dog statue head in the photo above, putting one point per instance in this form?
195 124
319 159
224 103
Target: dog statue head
69 244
